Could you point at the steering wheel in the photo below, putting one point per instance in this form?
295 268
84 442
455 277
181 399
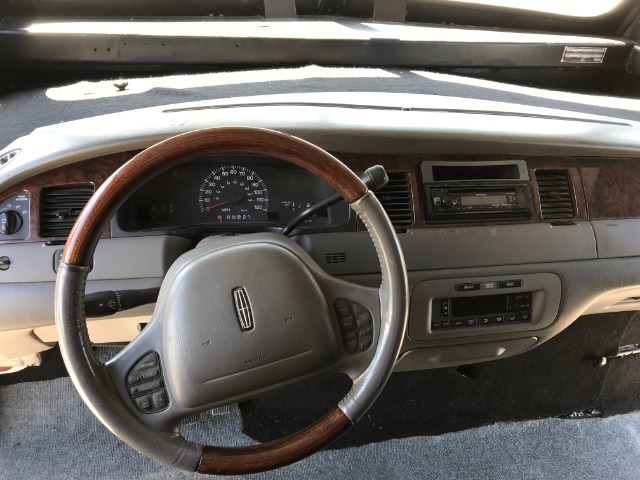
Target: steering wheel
236 317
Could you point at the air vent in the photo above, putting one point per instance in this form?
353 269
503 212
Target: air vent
60 207
7 157
338 257
395 197
555 195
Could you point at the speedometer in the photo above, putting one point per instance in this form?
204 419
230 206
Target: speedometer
234 194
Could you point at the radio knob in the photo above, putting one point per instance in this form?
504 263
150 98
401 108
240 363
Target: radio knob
447 202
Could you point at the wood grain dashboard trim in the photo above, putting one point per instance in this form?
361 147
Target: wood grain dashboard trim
610 187
94 171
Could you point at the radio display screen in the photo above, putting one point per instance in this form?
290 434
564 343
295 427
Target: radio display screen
471 306
483 199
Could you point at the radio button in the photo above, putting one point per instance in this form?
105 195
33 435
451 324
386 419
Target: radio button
467 287
510 284
444 307
524 317
522 297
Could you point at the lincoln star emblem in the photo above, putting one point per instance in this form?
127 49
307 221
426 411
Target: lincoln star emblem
243 309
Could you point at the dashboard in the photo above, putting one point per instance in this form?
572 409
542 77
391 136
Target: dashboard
507 240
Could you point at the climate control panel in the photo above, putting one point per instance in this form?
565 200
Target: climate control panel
486 310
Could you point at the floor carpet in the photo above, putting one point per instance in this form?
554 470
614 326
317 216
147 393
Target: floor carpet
46 432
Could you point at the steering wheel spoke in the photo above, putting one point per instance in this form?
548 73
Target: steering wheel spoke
138 374
356 313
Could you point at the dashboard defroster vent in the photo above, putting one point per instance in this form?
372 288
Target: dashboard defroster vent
556 201
395 198
60 207
337 257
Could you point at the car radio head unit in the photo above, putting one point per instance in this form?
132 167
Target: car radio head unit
478 191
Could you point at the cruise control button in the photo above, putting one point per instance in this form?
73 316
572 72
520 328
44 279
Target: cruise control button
467 287
148 361
144 403
143 375
350 336
366 341
358 309
343 309
363 320
146 387
160 400
351 346
347 324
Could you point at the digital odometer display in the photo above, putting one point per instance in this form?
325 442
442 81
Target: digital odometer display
234 194
483 200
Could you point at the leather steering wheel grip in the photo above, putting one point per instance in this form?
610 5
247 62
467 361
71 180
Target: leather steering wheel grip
90 376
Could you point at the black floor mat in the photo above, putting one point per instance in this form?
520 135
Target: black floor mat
554 379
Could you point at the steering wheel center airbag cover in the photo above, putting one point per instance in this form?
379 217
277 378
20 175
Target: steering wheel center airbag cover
239 316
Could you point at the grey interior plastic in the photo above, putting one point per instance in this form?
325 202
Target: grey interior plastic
27 287
438 357
361 122
446 247
114 259
617 238
290 337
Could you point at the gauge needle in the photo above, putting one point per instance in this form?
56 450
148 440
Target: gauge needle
235 200
215 206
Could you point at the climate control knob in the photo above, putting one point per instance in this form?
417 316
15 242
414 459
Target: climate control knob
10 222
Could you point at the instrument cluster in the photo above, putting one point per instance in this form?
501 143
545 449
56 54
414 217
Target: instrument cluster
230 192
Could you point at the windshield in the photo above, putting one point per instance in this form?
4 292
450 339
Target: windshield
574 8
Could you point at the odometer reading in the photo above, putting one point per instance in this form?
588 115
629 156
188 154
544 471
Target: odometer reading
234 194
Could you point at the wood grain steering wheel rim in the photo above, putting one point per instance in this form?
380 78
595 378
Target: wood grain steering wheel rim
74 341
